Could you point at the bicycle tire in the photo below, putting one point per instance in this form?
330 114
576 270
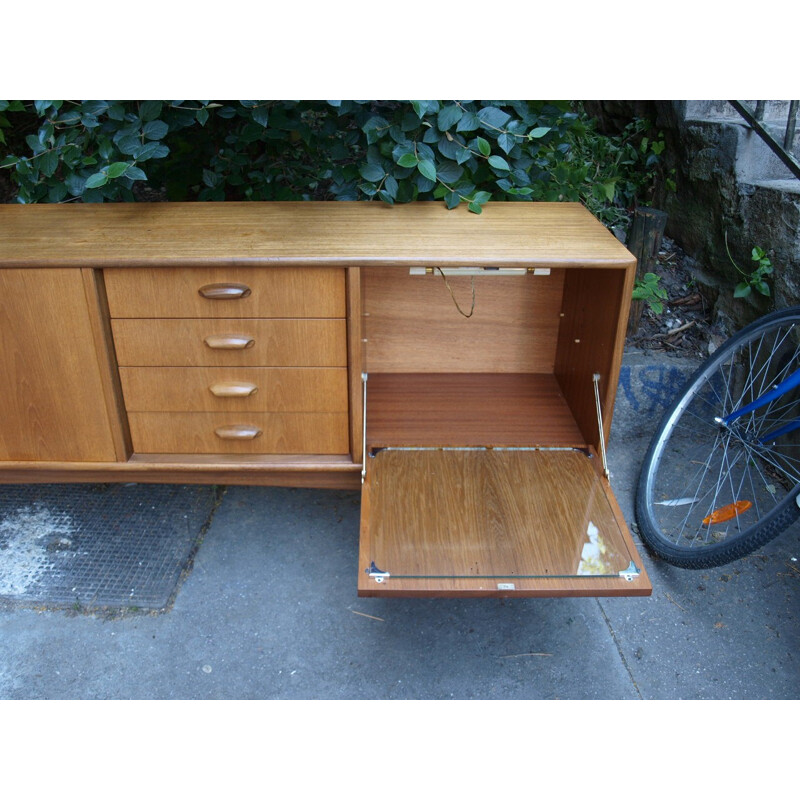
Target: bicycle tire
698 466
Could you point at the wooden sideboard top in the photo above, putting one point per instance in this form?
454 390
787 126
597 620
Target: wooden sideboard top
305 234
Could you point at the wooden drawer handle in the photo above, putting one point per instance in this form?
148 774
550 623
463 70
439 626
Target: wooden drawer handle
225 341
224 291
233 389
238 432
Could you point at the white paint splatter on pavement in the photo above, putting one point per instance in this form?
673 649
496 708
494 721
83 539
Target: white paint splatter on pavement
24 538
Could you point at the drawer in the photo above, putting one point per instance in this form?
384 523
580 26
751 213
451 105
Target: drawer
215 342
244 432
306 389
226 292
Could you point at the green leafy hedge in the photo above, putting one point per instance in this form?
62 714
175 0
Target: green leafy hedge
395 151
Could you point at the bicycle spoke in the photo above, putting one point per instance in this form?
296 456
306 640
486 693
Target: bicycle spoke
723 490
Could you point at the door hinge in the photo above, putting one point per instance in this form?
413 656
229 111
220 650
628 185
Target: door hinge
373 572
631 572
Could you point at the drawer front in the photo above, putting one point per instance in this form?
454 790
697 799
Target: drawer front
226 292
236 433
282 389
246 342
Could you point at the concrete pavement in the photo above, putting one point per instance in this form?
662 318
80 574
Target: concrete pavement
269 610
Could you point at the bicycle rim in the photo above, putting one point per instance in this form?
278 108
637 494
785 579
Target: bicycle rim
712 491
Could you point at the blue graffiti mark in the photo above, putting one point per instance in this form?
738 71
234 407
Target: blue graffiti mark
655 389
625 385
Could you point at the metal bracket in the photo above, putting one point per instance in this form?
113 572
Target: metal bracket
479 271
364 377
373 572
596 380
631 572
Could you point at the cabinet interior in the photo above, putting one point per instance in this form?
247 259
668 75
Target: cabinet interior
514 369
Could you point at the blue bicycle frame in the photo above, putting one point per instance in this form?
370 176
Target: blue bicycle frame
792 382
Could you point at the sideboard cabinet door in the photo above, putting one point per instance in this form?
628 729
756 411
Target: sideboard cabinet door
52 405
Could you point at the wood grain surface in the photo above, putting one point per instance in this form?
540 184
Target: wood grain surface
52 394
462 522
279 292
304 234
313 471
412 323
468 410
591 340
278 342
273 389
281 433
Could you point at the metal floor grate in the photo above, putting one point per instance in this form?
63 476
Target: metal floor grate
99 546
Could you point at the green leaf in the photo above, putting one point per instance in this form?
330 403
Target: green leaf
483 146
741 290
96 180
48 163
537 133
105 148
448 117
475 208
150 110
757 254
390 185
151 150
449 173
135 174
9 161
481 197
94 107
129 144
424 152
261 116
116 169
75 184
397 134
498 162
155 130
56 193
202 117
34 144
450 148
433 136
115 112
386 197
469 122
493 117
371 172
451 199
375 128
762 288
506 142
407 160
610 190
428 169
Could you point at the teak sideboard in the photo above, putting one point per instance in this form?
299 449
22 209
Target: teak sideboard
459 369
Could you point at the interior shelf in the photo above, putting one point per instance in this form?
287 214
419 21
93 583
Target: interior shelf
468 410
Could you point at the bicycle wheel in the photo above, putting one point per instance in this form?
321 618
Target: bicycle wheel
715 487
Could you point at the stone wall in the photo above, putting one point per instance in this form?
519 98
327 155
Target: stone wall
712 200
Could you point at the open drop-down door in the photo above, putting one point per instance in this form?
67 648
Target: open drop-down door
507 521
